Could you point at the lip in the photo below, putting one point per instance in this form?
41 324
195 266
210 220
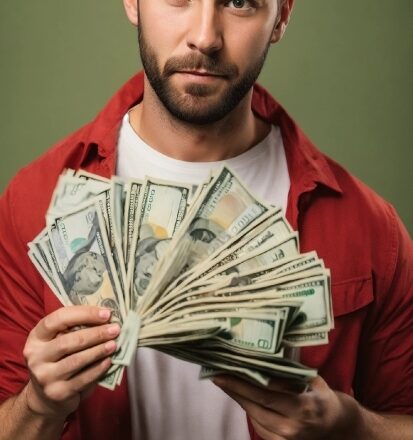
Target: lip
199 77
201 73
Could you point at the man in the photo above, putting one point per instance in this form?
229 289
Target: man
148 253
195 107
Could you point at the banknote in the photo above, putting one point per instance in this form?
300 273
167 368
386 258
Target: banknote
131 216
226 210
273 226
84 262
163 208
210 274
71 191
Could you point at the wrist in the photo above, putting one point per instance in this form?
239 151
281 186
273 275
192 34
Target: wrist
41 410
352 422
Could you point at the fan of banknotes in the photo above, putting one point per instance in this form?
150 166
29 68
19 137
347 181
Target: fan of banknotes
208 274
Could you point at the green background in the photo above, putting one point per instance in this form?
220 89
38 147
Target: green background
344 71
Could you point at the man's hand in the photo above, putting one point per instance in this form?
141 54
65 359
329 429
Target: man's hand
281 412
65 364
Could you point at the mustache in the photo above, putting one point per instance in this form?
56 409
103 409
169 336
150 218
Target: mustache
211 65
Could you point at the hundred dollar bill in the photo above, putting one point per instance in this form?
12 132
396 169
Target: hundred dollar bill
163 208
313 292
118 198
112 378
36 251
47 276
244 373
280 367
255 331
47 251
106 207
226 210
306 340
272 230
260 257
86 175
127 341
255 377
131 215
184 332
85 266
230 363
304 263
72 191
210 291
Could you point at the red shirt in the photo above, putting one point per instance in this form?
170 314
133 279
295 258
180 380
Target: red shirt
359 236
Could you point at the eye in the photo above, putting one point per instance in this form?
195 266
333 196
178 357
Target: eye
239 4
242 7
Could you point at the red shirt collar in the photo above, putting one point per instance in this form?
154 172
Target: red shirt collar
308 168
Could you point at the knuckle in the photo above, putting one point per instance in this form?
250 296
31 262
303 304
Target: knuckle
287 431
41 375
63 345
56 392
80 339
28 352
49 321
74 362
32 364
309 410
103 333
265 400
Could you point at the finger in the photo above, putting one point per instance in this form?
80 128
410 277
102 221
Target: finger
287 404
90 375
263 433
71 365
79 340
64 318
62 390
274 423
287 386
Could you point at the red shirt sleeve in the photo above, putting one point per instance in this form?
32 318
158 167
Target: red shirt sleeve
384 374
21 305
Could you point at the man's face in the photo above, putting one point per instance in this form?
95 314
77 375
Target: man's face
202 57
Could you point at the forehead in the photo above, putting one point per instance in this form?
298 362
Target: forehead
86 259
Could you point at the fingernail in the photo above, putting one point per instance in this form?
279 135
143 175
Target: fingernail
104 313
110 346
113 330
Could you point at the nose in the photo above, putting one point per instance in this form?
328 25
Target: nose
205 33
94 278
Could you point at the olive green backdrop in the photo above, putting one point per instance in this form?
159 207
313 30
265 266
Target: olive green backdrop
344 71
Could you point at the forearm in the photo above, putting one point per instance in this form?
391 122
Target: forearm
363 424
19 421
387 426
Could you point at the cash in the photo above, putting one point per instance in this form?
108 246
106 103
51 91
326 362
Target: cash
211 275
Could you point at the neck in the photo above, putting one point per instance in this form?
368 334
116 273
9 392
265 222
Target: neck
229 137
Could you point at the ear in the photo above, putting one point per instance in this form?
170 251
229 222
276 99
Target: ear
131 8
284 14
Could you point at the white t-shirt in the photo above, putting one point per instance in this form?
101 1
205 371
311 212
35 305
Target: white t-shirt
167 400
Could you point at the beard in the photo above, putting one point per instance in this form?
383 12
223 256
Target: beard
196 106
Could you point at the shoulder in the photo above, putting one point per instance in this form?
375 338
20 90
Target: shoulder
28 194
